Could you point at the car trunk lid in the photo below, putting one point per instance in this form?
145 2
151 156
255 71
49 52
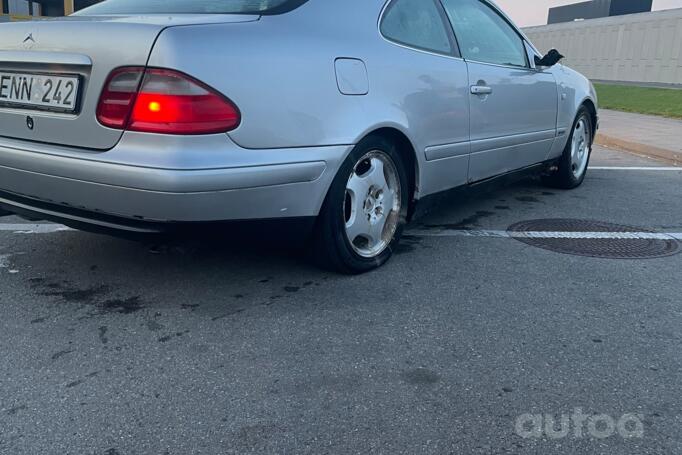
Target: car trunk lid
86 48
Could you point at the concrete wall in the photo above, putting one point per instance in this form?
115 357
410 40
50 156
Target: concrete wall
643 47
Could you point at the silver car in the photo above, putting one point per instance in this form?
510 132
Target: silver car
145 115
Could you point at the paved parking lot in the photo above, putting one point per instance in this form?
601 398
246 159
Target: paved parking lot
119 348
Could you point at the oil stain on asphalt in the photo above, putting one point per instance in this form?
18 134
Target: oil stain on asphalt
466 223
96 297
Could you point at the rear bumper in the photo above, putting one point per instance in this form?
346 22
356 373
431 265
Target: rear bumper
292 229
160 179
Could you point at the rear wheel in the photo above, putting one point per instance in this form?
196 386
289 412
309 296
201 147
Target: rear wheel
572 166
365 211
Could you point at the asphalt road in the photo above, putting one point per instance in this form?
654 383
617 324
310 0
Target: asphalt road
117 348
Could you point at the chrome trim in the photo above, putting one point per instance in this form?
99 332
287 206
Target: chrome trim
55 58
524 68
530 53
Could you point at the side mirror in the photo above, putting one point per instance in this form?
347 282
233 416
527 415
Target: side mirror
552 58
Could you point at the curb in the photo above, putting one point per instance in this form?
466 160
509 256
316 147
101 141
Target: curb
637 148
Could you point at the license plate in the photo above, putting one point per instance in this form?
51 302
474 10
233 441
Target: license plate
39 91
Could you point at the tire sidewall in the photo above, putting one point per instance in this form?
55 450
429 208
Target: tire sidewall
349 258
567 158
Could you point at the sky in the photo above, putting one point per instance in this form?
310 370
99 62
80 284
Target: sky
534 12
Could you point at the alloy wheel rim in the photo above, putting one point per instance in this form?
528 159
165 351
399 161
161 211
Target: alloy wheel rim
580 148
372 204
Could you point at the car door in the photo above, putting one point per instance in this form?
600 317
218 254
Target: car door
427 80
513 106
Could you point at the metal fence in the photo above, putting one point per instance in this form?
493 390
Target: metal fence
639 48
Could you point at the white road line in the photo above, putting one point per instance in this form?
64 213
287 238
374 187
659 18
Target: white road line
33 228
548 235
52 228
457 233
629 168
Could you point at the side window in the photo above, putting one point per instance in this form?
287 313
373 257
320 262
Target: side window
418 24
483 35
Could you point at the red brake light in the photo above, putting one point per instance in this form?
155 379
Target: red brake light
166 102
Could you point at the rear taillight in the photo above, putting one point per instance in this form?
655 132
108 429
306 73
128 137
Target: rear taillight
118 97
164 101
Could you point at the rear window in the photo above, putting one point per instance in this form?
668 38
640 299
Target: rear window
191 7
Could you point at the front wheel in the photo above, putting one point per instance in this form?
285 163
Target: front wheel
365 211
572 166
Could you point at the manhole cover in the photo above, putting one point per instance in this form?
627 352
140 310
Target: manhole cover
594 239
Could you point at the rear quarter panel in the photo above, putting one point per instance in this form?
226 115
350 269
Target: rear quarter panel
280 72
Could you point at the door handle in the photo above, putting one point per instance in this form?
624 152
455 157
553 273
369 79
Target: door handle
481 90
